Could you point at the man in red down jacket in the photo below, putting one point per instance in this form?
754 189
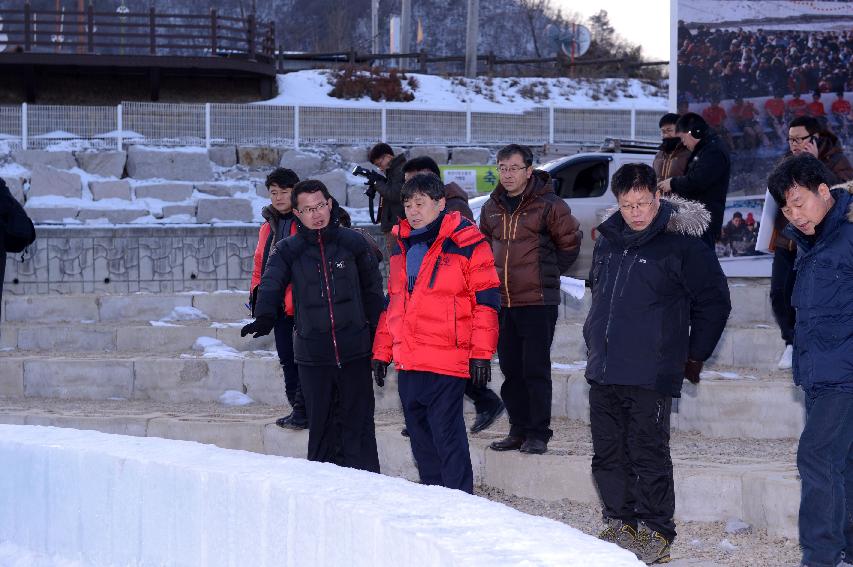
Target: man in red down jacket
280 224
440 327
487 404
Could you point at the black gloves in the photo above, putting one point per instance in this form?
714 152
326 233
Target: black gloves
260 326
380 369
692 370
480 370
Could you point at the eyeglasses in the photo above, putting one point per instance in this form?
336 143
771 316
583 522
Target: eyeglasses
800 141
639 206
312 210
512 169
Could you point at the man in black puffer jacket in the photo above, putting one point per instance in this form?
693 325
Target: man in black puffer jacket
337 299
660 302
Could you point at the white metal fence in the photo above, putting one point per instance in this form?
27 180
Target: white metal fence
41 126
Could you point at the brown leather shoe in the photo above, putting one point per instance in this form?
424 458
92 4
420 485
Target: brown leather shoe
509 443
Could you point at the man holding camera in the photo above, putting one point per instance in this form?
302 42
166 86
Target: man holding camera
390 208
440 327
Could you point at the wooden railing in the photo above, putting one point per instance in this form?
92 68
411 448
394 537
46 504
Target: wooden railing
27 30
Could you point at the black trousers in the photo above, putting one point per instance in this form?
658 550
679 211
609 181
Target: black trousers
432 406
524 349
782 279
340 414
631 464
283 332
482 396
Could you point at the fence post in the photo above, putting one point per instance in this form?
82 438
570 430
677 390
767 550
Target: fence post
296 127
384 135
119 127
467 122
24 124
90 24
152 31
633 122
422 61
213 25
207 125
28 27
551 123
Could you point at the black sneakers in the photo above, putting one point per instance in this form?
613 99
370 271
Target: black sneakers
292 422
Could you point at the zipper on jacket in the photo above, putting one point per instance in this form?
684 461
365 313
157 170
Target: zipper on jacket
434 272
610 313
329 296
509 236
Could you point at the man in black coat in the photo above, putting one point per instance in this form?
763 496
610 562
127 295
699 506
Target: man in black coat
708 169
337 300
660 302
16 230
391 207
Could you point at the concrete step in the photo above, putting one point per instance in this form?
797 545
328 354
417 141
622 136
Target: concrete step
714 479
750 304
32 309
757 346
758 406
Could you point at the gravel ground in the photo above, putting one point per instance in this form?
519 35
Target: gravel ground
698 544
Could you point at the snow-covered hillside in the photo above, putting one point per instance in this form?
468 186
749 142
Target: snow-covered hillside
484 93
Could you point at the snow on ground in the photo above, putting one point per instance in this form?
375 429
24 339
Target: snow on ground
121 498
214 348
484 94
710 11
235 398
15 556
184 313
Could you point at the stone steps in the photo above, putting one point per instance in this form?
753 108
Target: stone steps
715 479
762 406
750 305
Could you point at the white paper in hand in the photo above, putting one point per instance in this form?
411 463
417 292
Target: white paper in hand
573 287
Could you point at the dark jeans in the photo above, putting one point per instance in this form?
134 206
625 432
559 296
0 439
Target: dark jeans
825 462
283 332
782 279
432 406
340 414
483 397
524 349
631 464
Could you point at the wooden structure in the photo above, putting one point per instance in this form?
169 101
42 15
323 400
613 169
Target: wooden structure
38 42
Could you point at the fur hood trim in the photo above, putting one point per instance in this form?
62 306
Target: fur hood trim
688 217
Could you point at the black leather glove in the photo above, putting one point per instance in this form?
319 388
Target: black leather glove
260 326
480 370
692 370
380 369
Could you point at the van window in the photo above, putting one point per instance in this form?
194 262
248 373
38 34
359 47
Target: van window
587 178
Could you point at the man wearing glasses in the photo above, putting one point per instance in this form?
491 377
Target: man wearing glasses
660 302
707 177
805 136
534 238
337 300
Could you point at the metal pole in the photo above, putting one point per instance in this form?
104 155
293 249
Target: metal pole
405 28
384 120
471 35
296 127
551 123
374 25
24 124
468 123
207 125
633 123
119 128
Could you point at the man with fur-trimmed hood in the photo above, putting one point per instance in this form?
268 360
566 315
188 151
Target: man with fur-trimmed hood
660 302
